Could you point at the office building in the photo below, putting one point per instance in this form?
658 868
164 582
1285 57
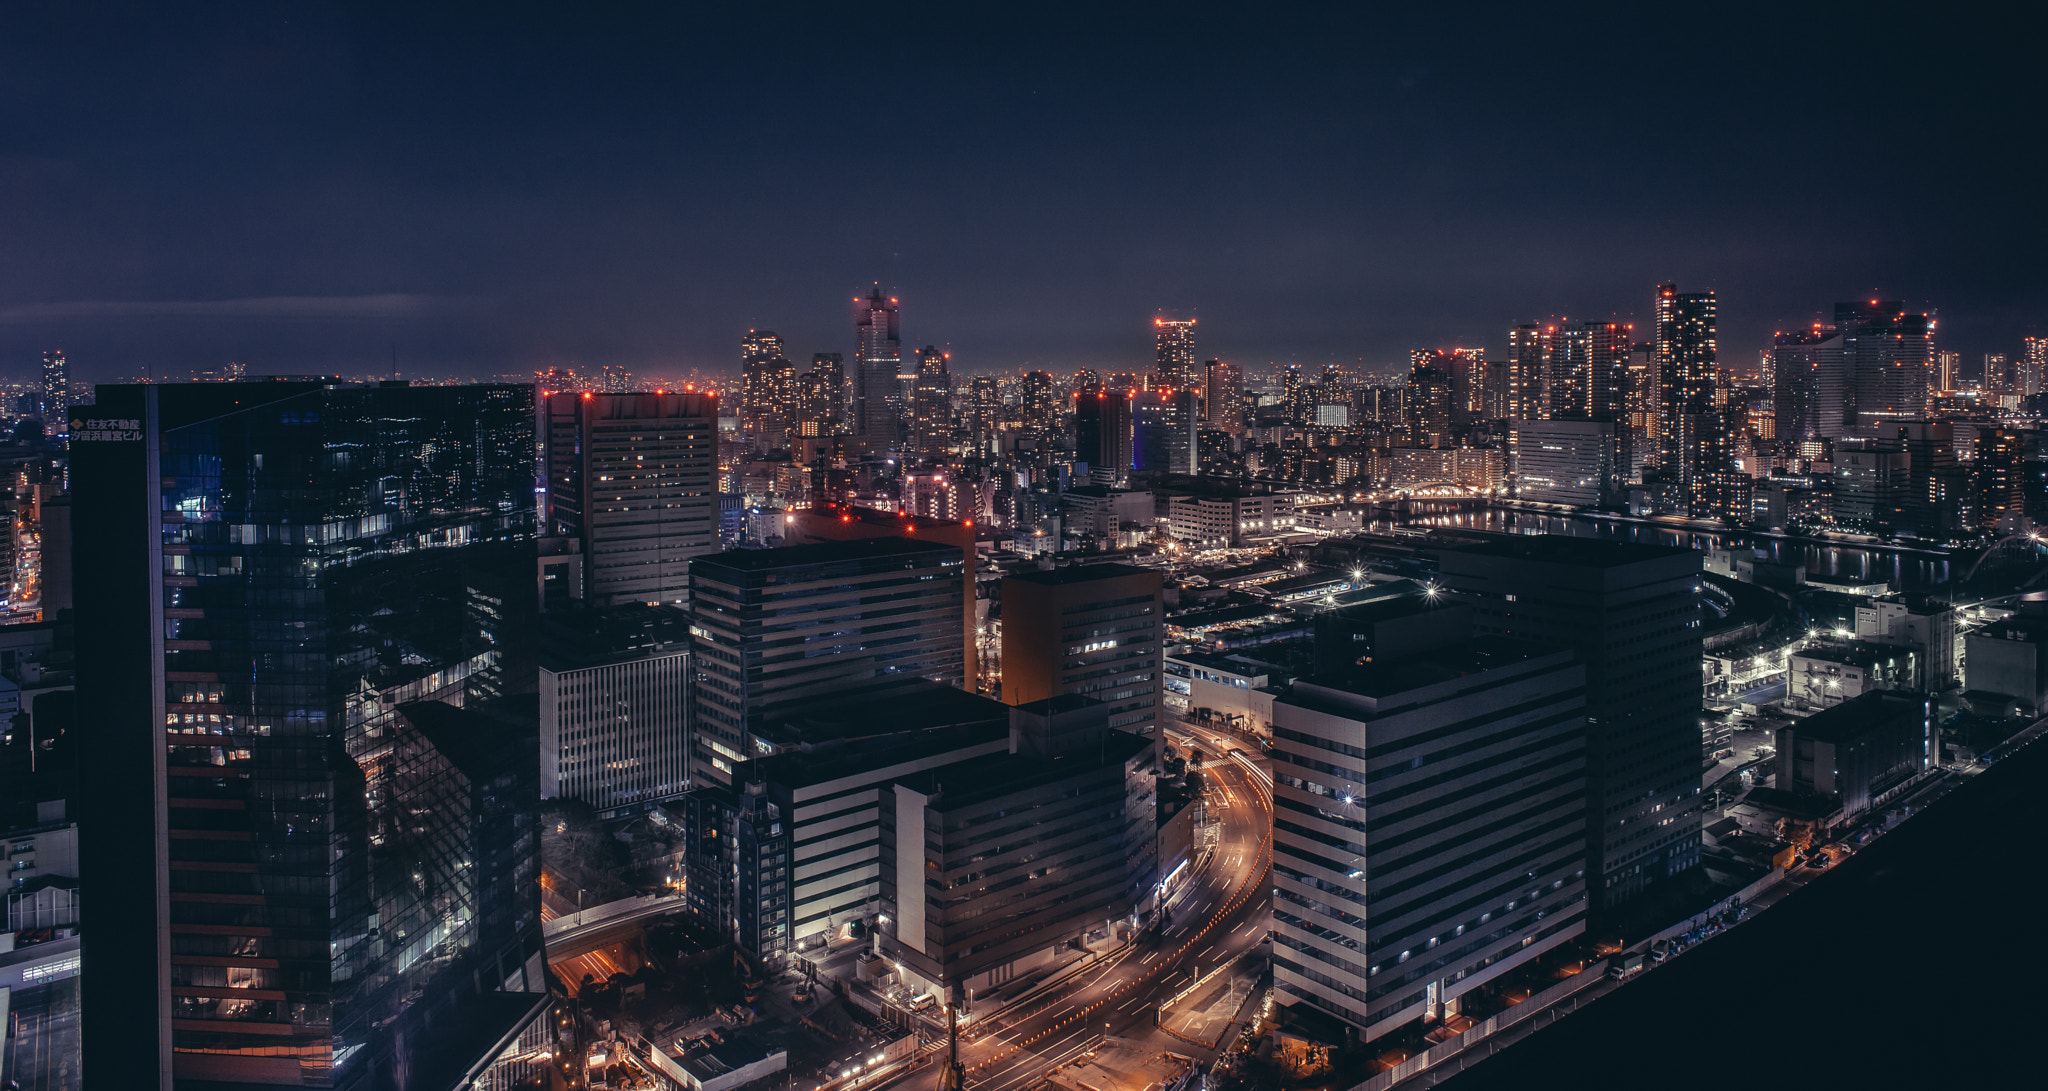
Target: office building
1930 508
791 856
301 864
1806 392
1102 433
2001 493
1174 358
776 630
1223 397
2009 658
992 864
1430 826
878 357
1039 402
2031 376
1859 754
1825 675
1163 424
1631 612
829 522
1887 360
632 477
1565 461
1091 630
1872 480
614 706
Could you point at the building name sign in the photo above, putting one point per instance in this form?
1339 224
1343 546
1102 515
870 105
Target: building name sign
107 430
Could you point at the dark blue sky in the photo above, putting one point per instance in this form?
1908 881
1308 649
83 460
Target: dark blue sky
303 186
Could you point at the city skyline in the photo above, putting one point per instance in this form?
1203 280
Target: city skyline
336 189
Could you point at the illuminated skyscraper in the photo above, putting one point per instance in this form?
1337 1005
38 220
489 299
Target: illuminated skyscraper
1887 353
1641 401
1223 401
767 388
824 397
1948 368
1997 374
1588 371
1174 365
1697 450
1162 430
633 477
1428 405
2033 367
56 392
1806 375
878 357
1528 372
2001 498
1102 432
984 412
932 409
1466 369
1041 404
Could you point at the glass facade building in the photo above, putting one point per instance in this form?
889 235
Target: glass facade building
310 705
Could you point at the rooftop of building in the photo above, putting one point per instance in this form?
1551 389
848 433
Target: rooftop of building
1566 549
1228 663
1055 705
1853 655
896 720
1103 492
978 780
853 513
1404 674
1078 573
798 556
1861 715
480 741
1410 599
1223 615
740 1048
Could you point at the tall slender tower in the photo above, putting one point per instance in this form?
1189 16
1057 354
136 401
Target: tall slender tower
1175 363
933 408
1528 371
878 356
766 377
1697 452
1223 404
56 392
2033 366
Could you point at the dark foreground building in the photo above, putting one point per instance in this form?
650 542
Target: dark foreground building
309 850
1631 612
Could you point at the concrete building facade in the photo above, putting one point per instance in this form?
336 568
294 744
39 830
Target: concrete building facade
1430 828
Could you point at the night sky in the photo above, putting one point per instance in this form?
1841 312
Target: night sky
304 187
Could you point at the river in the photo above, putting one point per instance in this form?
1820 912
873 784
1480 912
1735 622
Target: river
1904 569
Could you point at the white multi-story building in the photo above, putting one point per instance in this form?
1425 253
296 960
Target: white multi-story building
1429 828
616 734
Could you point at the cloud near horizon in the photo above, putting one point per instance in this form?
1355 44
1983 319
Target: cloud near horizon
386 305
